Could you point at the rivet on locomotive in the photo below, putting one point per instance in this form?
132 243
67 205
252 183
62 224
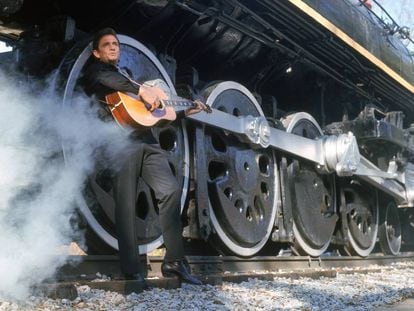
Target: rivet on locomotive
311 140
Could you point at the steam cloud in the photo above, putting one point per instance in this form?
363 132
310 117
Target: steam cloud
38 190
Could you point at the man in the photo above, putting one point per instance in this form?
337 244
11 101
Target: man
149 161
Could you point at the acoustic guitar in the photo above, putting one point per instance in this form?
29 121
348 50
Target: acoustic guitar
129 111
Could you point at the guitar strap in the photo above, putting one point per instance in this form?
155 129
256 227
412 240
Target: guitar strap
156 82
126 75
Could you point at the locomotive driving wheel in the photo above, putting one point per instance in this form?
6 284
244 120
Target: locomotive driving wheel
97 205
313 195
389 232
361 217
241 181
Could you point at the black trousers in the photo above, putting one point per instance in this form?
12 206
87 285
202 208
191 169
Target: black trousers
150 162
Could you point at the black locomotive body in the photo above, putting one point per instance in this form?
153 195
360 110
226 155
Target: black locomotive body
290 80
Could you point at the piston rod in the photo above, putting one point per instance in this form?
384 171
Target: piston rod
329 153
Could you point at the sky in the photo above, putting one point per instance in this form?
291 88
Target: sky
402 11
3 47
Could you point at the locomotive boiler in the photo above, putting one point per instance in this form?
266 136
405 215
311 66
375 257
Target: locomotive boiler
310 143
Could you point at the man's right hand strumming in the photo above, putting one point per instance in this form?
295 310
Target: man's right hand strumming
152 96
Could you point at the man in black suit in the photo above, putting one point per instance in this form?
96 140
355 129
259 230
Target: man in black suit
149 161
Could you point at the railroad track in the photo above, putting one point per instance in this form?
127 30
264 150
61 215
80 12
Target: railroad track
102 272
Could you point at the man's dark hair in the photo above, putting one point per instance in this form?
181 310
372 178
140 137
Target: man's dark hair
103 32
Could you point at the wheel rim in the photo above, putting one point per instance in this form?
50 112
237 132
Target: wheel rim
98 208
242 182
390 230
362 218
313 224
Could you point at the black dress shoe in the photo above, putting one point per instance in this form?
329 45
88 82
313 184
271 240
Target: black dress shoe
178 268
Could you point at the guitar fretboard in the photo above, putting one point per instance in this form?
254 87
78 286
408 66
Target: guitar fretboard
180 102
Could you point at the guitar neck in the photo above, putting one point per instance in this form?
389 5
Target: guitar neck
178 102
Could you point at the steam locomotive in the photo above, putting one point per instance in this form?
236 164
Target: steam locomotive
311 139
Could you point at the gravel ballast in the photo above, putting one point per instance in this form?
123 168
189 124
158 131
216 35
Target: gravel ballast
349 291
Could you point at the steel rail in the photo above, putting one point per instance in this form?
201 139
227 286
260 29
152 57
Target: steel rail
94 267
103 272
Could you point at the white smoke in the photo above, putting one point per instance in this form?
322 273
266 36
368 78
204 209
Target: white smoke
38 190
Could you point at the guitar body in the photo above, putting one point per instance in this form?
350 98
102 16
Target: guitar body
129 111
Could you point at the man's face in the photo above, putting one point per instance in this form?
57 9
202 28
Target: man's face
108 50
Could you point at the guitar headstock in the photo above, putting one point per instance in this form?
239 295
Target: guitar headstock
202 105
207 108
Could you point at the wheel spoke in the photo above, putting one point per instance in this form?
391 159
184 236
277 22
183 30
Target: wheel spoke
103 194
218 143
146 213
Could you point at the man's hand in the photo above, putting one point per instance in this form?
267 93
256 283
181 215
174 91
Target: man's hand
151 96
199 106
